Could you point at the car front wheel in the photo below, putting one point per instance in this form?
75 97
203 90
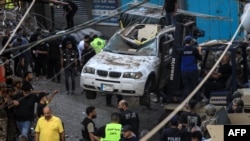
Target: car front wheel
90 94
145 98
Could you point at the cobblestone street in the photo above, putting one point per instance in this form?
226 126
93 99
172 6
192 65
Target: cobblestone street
71 108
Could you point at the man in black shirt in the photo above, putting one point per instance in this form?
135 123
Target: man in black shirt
88 124
170 7
44 100
218 78
4 41
24 110
70 9
69 59
190 118
28 76
54 54
127 134
34 36
40 58
129 117
172 132
87 53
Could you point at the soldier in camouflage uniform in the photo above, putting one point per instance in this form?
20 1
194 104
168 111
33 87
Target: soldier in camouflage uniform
211 119
3 116
11 129
3 125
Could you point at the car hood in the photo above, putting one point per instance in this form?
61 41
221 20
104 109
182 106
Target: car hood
119 62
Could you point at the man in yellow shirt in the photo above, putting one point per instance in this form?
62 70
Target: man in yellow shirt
49 127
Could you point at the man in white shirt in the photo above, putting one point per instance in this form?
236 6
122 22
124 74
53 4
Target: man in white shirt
81 45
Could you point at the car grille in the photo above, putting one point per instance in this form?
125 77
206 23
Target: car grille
115 74
102 73
110 74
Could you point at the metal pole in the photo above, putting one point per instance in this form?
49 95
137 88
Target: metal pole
181 105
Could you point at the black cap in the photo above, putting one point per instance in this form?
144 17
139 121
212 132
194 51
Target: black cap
188 39
68 42
174 120
126 128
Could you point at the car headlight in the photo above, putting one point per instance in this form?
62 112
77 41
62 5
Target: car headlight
89 70
135 75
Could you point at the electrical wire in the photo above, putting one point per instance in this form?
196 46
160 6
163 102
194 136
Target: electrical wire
182 104
77 28
72 30
19 24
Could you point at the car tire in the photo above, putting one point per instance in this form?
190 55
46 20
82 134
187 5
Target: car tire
145 99
90 94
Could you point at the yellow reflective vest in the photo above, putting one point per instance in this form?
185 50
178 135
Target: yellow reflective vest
9 4
98 44
112 132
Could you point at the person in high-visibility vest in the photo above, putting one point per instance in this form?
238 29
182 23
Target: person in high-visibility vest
9 4
111 131
98 44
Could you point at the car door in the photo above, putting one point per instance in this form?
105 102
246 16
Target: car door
165 51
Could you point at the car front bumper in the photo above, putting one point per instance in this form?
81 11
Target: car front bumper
121 86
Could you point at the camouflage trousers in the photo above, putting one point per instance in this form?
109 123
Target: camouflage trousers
11 130
3 129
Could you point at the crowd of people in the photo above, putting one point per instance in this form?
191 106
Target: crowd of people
21 104
189 125
123 126
46 61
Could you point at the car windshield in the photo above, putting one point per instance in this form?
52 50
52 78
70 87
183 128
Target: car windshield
123 45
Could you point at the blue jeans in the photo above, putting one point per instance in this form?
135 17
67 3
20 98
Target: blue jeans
24 127
69 73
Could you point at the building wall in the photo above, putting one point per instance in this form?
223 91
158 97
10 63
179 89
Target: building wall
85 14
109 30
82 15
216 28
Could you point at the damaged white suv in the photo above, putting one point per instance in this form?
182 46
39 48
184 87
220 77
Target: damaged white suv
135 62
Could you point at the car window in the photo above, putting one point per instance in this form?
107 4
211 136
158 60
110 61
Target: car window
165 45
122 45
